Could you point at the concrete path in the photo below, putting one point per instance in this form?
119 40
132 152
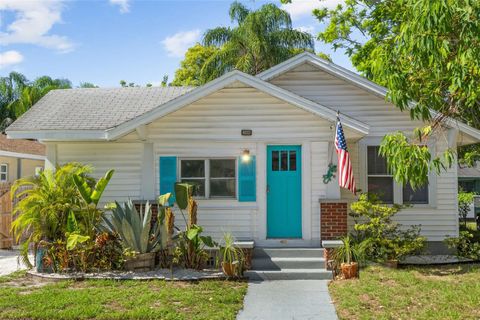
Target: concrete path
288 300
9 262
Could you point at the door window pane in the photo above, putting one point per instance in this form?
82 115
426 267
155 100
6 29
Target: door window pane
275 161
222 188
293 161
193 168
284 161
418 196
222 168
383 187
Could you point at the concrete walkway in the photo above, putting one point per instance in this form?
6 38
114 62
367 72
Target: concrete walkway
9 262
288 300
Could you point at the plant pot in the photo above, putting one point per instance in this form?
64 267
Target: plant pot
349 270
140 262
40 258
391 264
230 269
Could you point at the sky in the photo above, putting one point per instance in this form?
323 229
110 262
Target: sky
105 41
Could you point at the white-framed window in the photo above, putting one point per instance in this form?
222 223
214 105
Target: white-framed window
381 182
214 178
3 172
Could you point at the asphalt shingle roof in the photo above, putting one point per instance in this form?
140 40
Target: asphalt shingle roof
21 146
93 108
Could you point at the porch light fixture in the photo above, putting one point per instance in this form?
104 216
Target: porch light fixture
246 155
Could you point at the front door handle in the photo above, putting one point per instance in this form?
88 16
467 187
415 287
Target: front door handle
268 188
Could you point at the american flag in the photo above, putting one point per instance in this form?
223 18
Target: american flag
345 171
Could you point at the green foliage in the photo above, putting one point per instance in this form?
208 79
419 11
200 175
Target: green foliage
350 251
465 199
183 193
134 228
373 222
190 247
92 195
189 73
425 52
50 208
466 245
232 254
259 40
411 163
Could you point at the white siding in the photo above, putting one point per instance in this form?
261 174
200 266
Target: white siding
320 160
437 220
124 158
312 83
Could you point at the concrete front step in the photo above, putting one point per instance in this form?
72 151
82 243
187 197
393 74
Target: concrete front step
267 263
287 252
289 274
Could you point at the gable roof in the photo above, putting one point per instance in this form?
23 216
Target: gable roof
93 115
353 78
93 108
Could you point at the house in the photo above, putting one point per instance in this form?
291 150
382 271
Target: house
469 181
257 147
20 158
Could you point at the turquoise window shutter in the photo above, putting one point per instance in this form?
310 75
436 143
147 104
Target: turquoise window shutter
247 180
168 176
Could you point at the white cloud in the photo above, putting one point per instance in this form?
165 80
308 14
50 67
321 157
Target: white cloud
32 23
123 5
300 8
9 58
309 29
177 44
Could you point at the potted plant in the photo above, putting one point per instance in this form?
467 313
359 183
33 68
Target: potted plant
348 255
141 240
232 257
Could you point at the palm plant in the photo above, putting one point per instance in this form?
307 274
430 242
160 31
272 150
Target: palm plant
261 39
44 204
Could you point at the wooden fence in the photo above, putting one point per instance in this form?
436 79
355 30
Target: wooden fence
6 237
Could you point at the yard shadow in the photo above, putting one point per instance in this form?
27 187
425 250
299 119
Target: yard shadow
445 270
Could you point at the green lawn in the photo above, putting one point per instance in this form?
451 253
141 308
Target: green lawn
22 297
447 292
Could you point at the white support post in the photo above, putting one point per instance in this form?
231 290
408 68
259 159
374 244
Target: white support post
148 173
333 189
51 158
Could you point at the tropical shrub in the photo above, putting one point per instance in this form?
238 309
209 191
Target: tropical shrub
135 228
190 250
466 245
51 208
386 241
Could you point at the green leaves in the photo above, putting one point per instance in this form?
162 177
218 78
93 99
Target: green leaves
92 195
183 192
410 163
74 239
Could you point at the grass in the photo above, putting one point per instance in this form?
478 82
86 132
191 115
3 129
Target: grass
446 292
22 297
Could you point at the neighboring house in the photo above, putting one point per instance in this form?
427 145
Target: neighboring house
20 158
280 121
469 181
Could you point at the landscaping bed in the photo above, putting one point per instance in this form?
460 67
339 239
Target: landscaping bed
24 297
440 292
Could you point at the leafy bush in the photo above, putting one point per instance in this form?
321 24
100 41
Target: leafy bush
466 245
465 199
386 241
58 207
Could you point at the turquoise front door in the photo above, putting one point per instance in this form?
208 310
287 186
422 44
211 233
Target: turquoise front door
284 192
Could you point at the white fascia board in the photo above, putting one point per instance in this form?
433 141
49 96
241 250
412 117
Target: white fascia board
4 153
355 79
58 135
221 83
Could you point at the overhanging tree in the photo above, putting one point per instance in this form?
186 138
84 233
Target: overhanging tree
427 54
